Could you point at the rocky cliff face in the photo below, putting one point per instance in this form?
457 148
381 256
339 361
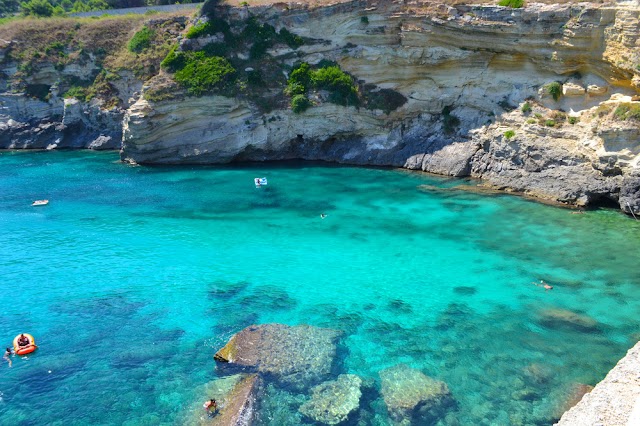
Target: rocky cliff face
475 79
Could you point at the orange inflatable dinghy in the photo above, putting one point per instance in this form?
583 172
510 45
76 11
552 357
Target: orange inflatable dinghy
24 349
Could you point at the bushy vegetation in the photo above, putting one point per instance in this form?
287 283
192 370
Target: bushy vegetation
554 89
526 108
627 111
339 84
299 103
263 36
341 87
141 40
200 30
48 8
509 134
573 120
197 71
515 4
290 39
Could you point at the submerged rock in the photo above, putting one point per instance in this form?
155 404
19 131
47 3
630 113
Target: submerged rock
332 402
566 319
573 396
297 356
236 397
413 397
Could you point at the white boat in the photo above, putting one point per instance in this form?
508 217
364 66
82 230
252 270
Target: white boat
260 182
40 203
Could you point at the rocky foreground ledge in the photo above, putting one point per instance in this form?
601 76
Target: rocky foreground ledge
300 367
614 401
263 360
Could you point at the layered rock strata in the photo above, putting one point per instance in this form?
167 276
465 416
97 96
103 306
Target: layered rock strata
463 70
466 72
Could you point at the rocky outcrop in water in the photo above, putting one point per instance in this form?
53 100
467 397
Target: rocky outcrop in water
235 396
332 402
412 397
298 356
568 320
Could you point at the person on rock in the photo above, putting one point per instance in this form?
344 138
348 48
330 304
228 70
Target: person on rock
211 407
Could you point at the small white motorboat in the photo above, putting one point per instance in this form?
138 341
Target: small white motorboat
40 203
260 182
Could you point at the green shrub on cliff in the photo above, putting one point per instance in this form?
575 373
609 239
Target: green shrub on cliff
340 85
141 40
292 40
526 108
554 89
299 79
174 60
299 103
515 4
509 134
202 74
199 30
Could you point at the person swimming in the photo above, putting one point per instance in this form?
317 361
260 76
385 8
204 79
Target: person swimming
322 215
7 356
544 285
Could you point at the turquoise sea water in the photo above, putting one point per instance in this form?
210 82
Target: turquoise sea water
119 279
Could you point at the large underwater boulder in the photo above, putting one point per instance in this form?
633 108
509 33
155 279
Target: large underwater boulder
332 402
298 356
412 397
568 320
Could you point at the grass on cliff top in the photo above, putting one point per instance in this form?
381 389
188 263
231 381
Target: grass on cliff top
62 41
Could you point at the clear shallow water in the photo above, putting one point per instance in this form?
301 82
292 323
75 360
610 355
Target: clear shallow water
120 277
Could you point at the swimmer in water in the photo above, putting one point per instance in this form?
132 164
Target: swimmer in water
322 215
7 356
543 285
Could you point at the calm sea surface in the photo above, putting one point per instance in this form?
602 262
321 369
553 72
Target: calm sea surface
117 279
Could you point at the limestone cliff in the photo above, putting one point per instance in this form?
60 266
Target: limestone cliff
476 83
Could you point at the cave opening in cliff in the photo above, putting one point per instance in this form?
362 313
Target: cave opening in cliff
604 201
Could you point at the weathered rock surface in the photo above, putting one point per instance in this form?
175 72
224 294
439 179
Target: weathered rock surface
615 400
332 402
412 397
236 399
298 356
465 72
566 319
90 126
